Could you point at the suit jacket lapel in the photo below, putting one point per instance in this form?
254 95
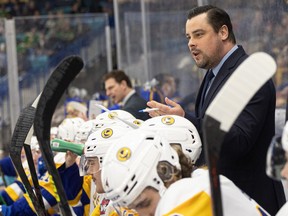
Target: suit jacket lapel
227 68
215 87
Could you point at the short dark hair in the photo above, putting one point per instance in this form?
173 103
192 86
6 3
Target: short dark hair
216 18
119 76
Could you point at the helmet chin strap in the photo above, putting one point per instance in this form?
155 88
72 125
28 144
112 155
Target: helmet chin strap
98 170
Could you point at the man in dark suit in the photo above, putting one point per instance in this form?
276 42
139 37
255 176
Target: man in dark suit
212 44
119 88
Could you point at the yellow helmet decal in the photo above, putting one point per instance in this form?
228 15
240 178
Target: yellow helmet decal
136 122
168 120
123 154
106 133
111 115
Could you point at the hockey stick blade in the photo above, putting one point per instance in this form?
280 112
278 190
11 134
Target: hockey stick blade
242 85
29 156
54 88
20 133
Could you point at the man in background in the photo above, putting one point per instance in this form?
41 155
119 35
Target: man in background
119 89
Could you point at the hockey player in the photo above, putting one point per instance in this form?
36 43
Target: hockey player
23 206
75 190
88 128
98 134
145 168
15 190
94 153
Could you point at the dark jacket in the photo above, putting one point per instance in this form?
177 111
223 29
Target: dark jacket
134 104
243 154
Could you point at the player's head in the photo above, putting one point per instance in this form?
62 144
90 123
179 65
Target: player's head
34 145
53 132
101 121
68 128
35 149
95 149
177 131
131 166
85 130
277 156
76 109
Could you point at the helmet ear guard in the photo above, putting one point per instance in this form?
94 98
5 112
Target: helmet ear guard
276 158
166 171
134 159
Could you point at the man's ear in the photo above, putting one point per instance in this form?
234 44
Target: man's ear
224 32
123 83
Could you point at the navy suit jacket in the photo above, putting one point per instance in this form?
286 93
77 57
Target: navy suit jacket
134 104
243 154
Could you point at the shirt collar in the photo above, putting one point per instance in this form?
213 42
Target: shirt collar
217 68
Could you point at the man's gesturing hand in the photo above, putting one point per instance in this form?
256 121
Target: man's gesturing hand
171 108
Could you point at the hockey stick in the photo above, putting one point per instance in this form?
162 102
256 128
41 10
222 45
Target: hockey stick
245 81
29 156
57 83
22 137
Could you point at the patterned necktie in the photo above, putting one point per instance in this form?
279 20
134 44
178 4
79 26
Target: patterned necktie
207 82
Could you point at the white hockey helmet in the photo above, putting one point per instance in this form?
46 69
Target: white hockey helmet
106 123
34 144
99 141
177 130
84 131
54 131
130 165
68 128
284 139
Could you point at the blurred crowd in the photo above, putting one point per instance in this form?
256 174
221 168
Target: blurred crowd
12 8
